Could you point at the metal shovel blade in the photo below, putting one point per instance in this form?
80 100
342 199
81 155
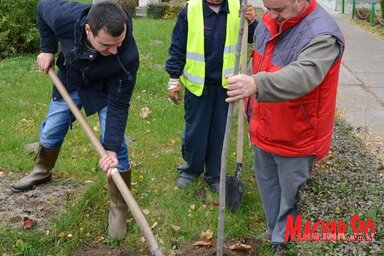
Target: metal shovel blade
234 193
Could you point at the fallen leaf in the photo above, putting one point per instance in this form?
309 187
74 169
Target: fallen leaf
146 211
61 234
203 207
19 243
144 112
175 227
1 174
208 234
27 222
154 225
192 207
202 243
142 239
240 247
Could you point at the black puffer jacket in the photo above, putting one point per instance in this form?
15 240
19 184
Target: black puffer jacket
100 80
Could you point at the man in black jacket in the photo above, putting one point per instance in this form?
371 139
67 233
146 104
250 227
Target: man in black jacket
97 64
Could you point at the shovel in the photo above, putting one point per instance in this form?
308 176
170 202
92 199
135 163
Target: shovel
234 186
129 199
224 152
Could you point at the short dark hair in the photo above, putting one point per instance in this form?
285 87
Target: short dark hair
107 15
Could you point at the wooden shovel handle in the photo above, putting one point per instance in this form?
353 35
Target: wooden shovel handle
127 195
240 121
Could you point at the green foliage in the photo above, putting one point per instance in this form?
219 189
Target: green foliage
165 9
18 31
382 8
173 9
129 5
156 10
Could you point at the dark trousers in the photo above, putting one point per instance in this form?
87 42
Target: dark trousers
202 140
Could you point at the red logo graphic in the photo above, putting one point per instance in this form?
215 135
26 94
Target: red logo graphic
326 231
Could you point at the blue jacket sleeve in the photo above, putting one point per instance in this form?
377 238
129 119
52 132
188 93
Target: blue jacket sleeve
45 19
177 50
55 20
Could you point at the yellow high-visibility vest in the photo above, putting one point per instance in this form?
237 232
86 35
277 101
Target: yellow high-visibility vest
194 71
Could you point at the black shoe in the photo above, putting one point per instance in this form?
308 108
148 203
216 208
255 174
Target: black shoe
184 179
215 187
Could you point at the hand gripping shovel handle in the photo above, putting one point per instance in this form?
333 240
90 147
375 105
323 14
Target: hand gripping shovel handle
129 199
224 152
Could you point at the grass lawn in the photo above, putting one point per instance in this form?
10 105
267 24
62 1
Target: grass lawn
180 214
176 215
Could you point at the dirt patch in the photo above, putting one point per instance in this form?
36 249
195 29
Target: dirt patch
232 247
40 205
101 250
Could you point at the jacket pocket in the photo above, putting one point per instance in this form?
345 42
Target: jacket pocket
291 124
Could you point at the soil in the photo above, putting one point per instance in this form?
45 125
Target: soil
232 247
36 207
101 250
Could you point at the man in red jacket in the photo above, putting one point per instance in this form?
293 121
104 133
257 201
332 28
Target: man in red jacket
290 102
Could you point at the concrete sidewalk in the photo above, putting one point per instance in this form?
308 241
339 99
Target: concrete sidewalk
360 99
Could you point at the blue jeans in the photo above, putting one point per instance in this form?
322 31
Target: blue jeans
60 118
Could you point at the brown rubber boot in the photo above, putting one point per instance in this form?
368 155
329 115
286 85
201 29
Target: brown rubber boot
42 171
117 220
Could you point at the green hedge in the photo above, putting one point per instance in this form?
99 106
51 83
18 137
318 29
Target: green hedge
165 10
18 31
129 5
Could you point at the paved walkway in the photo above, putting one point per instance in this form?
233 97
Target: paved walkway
360 98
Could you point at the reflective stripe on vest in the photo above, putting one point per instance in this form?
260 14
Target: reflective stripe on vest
194 71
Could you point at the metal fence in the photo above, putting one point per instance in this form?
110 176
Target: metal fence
364 9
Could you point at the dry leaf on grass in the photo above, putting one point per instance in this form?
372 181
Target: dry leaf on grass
208 234
144 112
146 211
27 222
202 243
175 227
154 225
240 247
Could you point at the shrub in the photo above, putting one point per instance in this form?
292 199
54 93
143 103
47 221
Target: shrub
173 9
129 6
18 31
156 10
